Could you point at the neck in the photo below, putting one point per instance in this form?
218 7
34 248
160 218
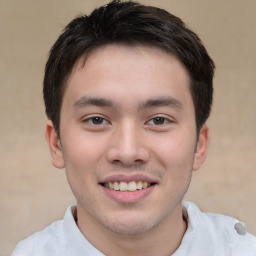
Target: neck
164 239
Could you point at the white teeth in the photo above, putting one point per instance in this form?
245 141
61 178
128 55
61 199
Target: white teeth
111 185
116 186
139 185
144 184
124 186
132 186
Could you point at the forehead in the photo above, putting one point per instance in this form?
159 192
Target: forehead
117 70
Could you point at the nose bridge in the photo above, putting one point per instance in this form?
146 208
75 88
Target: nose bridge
128 136
127 145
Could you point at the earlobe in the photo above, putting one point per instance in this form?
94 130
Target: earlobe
54 145
201 149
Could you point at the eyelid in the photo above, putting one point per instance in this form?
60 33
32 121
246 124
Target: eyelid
89 118
168 120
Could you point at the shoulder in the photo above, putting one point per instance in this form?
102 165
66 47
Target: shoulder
233 232
42 239
61 238
224 232
44 242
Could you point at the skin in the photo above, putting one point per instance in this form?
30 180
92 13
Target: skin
127 111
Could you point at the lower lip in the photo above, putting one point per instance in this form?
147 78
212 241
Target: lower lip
128 196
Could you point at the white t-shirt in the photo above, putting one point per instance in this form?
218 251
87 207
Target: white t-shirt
207 234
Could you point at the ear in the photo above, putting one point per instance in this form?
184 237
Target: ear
201 147
54 145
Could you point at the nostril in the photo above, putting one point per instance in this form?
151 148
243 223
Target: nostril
127 152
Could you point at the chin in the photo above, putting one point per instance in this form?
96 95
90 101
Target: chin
131 229
129 226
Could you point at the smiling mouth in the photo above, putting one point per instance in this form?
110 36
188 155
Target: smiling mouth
127 186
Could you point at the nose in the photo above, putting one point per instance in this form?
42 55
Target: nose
128 146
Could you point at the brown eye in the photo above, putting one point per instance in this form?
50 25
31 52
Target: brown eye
159 120
97 120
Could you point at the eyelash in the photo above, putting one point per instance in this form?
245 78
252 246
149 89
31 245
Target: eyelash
93 120
159 118
98 120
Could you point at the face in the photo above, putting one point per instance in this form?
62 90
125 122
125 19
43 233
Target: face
128 138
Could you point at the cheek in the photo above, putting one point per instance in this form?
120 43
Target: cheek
80 166
176 157
176 152
82 151
83 157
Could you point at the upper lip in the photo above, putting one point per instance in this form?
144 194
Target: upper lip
128 178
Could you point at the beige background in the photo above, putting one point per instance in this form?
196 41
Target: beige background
33 193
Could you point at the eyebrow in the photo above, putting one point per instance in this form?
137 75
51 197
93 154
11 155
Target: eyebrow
154 102
86 101
161 102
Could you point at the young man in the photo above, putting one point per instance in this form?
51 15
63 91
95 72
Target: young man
127 91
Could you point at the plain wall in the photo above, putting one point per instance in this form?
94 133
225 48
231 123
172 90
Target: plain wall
33 193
